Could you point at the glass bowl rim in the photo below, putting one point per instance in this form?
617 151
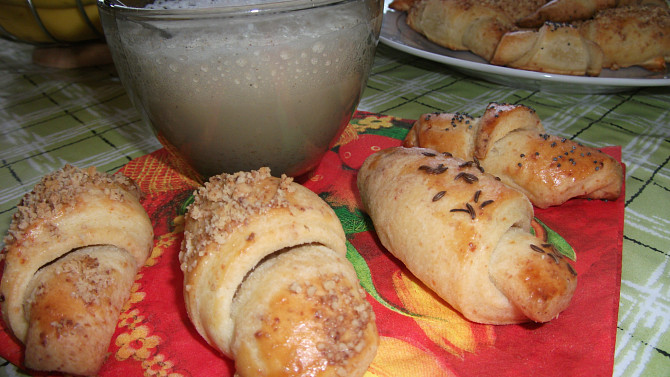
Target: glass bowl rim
255 8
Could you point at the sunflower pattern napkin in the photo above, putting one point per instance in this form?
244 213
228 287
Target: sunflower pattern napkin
420 334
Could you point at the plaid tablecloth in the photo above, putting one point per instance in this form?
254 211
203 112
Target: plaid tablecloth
51 117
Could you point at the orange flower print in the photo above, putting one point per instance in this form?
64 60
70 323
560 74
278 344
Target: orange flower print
441 323
158 366
134 298
397 358
164 241
156 253
348 135
374 122
137 344
130 319
135 294
357 126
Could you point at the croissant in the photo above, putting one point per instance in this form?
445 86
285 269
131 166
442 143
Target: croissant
565 11
267 282
554 48
576 10
465 24
465 235
402 5
72 252
510 142
631 35
657 3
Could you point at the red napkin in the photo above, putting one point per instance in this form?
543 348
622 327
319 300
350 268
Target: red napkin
420 334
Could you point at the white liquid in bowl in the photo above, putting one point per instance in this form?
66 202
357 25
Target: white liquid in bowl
241 95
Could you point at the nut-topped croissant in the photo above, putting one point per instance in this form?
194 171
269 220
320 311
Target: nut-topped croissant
465 235
510 142
267 282
73 250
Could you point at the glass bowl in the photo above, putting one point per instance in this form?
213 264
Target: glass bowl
237 87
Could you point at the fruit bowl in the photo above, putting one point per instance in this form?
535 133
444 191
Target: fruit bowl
53 22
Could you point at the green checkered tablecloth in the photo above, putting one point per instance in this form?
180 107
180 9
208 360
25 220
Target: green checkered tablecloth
50 117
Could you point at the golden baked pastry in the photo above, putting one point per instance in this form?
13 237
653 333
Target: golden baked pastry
465 235
576 10
656 3
267 282
472 25
72 306
510 142
565 11
554 48
631 35
402 5
571 37
72 252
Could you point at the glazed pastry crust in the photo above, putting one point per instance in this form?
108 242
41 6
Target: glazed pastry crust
246 222
571 37
448 23
471 25
565 11
578 10
303 310
631 35
72 307
510 142
465 235
67 210
402 5
554 48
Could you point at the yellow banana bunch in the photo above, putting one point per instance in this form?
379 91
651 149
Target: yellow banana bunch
64 20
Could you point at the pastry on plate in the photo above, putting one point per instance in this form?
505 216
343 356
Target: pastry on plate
466 25
554 48
577 10
631 36
565 11
571 37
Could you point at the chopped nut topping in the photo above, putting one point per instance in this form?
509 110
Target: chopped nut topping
57 192
227 201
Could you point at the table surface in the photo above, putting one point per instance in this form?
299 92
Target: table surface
49 117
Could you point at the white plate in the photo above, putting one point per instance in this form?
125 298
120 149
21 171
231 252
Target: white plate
398 35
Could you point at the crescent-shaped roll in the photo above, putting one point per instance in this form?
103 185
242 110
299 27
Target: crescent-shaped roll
553 48
465 235
57 318
631 35
565 11
72 306
402 5
460 24
267 282
510 142
472 25
577 10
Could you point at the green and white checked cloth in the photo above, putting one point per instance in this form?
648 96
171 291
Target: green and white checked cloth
51 117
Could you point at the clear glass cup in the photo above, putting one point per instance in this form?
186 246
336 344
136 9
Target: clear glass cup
240 87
